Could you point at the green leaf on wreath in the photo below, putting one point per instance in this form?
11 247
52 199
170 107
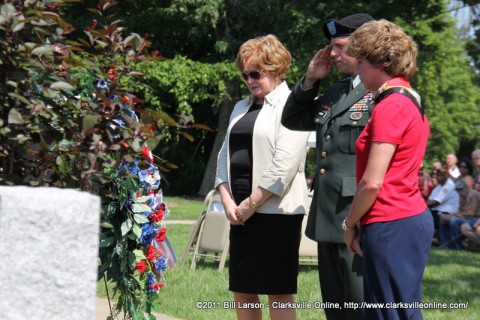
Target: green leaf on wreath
126 226
137 207
131 260
106 241
140 218
139 254
141 199
137 230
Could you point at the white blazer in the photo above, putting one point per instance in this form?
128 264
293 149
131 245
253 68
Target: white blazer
278 155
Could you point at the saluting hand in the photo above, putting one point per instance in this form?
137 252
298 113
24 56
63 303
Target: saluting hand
319 67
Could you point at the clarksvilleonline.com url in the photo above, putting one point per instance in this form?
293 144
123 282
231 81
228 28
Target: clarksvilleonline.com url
406 305
330 305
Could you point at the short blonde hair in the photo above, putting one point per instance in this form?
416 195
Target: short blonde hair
266 53
385 45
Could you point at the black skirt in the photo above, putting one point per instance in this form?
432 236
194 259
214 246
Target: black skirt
264 254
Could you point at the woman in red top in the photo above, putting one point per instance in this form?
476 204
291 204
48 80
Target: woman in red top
424 184
396 225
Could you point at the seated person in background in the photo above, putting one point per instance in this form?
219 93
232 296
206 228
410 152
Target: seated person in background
476 163
451 161
471 230
437 165
450 234
466 169
424 184
433 177
444 199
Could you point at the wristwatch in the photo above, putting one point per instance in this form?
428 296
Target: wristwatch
344 225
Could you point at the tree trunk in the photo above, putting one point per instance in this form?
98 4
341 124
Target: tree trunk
224 112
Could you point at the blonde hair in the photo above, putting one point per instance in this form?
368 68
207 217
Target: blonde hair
384 45
265 53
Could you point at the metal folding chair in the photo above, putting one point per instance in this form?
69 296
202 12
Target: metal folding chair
210 237
308 248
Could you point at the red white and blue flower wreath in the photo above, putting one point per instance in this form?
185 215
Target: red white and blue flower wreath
149 212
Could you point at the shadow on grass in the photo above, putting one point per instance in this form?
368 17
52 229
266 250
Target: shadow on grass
207 264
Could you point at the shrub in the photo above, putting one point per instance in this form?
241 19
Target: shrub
66 120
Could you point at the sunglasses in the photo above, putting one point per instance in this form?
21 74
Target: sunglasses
254 75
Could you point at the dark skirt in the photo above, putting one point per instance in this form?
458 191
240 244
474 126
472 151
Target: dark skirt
264 254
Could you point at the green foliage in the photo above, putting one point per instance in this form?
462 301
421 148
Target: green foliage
192 91
445 81
179 84
67 120
193 31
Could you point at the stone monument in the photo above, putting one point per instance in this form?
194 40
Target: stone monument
48 253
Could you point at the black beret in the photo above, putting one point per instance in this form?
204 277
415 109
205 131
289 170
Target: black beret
346 26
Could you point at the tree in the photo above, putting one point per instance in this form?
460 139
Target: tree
211 31
445 81
67 120
473 46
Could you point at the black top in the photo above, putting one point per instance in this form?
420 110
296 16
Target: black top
241 158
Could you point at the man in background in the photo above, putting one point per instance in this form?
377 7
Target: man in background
444 199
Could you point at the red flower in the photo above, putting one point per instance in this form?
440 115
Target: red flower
125 99
156 286
141 267
161 235
146 153
136 100
157 215
112 73
151 253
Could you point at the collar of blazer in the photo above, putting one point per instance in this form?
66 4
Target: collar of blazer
347 101
274 97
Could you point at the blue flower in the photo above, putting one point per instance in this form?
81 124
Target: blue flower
161 264
150 281
129 168
150 178
130 113
148 234
120 121
102 84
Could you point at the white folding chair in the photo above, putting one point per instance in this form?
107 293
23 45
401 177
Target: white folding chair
308 248
190 247
213 237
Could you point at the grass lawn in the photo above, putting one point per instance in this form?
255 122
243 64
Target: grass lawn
450 277
183 209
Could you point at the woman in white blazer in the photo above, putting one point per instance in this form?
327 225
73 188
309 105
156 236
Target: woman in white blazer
261 180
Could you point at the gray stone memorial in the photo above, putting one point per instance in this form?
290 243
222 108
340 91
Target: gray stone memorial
48 253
